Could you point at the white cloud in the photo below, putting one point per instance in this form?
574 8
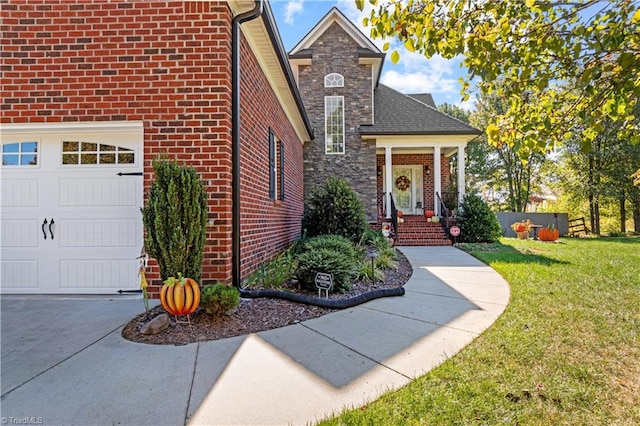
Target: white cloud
293 7
419 82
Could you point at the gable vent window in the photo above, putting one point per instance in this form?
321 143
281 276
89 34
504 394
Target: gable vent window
333 80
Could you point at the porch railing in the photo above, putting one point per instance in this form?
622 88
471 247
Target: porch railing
444 213
450 199
394 217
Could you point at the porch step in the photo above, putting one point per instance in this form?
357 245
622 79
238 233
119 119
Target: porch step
416 231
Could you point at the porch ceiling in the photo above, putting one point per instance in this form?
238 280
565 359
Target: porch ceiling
446 151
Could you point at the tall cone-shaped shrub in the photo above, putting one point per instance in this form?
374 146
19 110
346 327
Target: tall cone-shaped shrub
175 220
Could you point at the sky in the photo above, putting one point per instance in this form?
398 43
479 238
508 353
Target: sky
412 74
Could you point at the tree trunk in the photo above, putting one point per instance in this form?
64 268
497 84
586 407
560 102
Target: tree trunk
636 215
623 215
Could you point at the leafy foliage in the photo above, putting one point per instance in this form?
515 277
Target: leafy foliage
478 224
217 299
335 243
335 209
275 273
329 254
366 272
510 174
175 220
563 67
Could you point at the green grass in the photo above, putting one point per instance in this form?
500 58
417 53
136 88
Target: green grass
565 352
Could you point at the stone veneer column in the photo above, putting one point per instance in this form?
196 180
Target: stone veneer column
336 52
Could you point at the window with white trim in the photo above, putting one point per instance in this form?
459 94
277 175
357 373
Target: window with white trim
334 80
76 153
334 124
20 154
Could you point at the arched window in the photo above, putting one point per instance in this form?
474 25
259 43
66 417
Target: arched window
333 80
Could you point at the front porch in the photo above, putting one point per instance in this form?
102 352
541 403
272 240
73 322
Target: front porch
422 182
419 180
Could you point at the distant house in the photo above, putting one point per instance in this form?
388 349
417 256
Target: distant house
93 92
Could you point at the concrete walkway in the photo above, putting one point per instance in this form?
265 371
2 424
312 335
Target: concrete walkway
65 362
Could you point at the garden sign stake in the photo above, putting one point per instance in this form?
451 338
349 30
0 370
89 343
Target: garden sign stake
144 260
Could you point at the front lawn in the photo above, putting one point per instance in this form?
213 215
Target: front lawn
566 350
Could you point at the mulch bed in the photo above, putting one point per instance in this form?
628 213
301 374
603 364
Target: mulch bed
251 315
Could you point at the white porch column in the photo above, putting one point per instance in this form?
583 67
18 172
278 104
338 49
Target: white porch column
437 179
388 176
461 180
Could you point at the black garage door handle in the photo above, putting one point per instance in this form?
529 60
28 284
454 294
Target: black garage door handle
43 231
50 225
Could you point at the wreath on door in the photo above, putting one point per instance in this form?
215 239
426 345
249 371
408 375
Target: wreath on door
403 183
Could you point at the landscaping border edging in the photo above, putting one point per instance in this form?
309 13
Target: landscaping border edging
324 303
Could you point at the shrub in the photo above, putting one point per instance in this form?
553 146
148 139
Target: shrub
273 274
334 209
372 238
175 220
478 224
326 260
387 260
364 271
334 243
217 299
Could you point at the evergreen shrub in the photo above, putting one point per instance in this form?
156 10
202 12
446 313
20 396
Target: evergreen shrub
478 224
217 299
334 209
330 254
175 220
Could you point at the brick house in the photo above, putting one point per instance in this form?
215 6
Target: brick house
92 92
385 143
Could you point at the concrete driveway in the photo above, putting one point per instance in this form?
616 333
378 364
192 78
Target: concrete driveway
64 360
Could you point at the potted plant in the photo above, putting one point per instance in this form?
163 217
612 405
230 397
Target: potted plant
522 229
175 220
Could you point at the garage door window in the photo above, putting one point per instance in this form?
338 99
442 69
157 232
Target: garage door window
95 153
20 154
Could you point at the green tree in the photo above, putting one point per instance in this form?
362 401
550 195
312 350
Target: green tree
512 175
579 60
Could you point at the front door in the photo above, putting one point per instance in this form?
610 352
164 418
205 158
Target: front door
407 188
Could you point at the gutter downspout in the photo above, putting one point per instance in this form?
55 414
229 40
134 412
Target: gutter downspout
235 135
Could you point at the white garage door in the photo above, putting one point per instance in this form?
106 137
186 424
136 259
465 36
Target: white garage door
70 207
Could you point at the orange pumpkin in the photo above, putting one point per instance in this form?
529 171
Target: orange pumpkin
548 234
180 296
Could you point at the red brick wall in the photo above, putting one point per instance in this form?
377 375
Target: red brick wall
268 226
167 64
427 181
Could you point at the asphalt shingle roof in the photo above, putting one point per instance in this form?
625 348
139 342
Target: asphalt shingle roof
397 113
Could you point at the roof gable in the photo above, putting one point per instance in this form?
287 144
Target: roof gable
334 16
